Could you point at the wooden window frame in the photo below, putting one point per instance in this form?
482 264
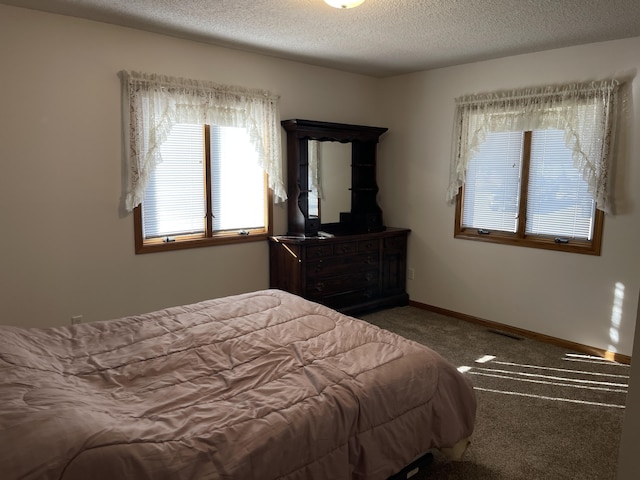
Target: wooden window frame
209 237
520 237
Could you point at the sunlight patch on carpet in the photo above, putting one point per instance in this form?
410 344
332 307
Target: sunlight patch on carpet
531 395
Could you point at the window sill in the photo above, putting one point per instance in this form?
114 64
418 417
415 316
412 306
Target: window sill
182 243
546 243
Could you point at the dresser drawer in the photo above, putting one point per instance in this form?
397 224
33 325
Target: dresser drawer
395 243
345 248
340 248
369 246
347 300
340 265
326 287
319 251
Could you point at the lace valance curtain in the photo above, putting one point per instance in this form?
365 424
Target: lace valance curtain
586 112
153 104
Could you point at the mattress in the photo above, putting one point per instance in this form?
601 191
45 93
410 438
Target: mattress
263 385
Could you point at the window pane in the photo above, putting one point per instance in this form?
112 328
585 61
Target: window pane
174 202
491 191
559 203
238 182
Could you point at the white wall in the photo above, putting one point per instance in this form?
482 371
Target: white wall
564 295
628 461
66 249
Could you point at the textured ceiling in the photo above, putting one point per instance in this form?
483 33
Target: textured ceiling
379 38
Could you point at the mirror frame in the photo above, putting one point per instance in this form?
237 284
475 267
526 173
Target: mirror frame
365 214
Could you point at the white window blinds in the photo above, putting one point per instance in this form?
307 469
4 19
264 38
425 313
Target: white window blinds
237 181
558 200
174 202
491 194
175 199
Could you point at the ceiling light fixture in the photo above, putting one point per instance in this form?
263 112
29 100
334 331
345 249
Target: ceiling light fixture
344 3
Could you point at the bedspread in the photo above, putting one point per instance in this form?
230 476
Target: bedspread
264 385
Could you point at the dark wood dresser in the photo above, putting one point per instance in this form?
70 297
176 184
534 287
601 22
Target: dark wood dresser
350 273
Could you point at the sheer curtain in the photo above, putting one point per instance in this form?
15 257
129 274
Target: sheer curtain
153 104
586 112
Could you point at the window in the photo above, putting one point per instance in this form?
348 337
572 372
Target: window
531 168
208 189
203 161
522 188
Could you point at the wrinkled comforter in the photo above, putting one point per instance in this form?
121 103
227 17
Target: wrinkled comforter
263 386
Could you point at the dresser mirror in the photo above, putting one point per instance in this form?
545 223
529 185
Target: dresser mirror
341 159
329 180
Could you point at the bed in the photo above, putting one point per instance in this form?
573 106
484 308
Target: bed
263 385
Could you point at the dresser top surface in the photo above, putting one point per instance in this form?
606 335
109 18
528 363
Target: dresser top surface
388 232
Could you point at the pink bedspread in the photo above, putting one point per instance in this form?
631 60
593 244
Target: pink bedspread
262 386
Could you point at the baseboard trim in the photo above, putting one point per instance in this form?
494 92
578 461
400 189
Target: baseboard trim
577 347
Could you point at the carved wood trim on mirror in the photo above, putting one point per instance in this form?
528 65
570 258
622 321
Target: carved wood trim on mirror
364 215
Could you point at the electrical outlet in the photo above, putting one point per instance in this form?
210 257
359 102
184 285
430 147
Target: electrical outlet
76 319
411 273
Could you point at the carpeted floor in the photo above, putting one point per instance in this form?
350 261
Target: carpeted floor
543 412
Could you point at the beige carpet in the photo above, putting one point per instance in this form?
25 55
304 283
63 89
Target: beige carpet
543 412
